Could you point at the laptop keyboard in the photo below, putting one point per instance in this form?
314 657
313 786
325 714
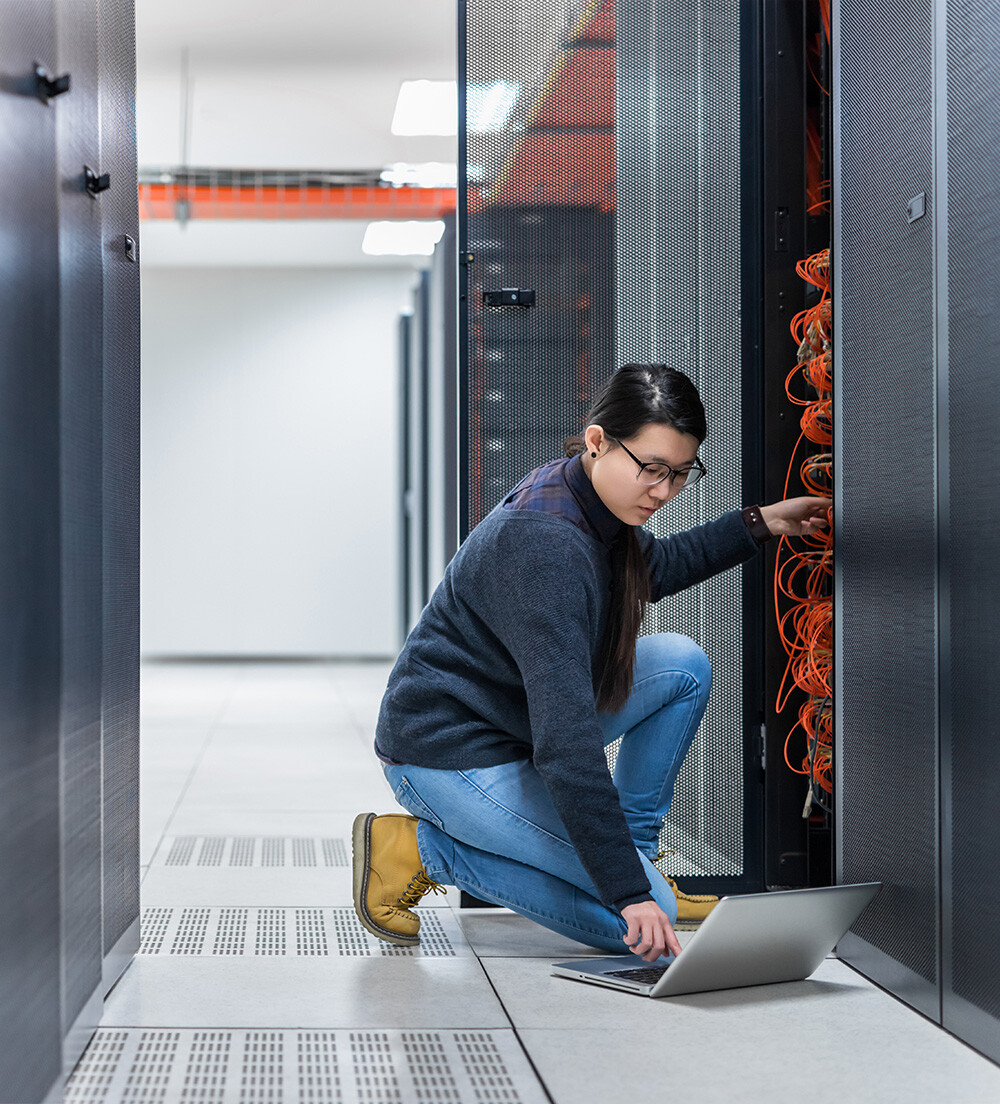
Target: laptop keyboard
644 974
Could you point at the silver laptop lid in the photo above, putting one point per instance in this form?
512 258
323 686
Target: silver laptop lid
752 939
760 938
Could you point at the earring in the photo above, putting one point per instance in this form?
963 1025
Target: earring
593 454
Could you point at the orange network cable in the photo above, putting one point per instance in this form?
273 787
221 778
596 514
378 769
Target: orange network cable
804 572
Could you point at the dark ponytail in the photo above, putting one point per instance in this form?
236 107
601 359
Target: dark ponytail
635 396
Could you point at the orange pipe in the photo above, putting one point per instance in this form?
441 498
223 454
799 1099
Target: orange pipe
159 201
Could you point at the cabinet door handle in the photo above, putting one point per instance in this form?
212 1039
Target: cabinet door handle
47 86
95 183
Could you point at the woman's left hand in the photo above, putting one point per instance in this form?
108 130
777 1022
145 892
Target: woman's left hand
796 517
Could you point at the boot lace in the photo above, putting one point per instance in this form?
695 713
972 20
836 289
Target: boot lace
419 886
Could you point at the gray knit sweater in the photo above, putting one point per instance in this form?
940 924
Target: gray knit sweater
502 663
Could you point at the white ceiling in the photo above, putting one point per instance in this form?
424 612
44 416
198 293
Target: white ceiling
297 84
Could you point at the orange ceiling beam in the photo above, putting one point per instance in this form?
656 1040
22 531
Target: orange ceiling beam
159 201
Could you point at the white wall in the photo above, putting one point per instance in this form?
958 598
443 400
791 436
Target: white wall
269 461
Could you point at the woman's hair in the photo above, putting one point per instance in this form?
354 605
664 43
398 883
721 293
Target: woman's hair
637 395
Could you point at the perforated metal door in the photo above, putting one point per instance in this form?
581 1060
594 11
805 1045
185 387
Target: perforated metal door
970 496
886 597
120 217
81 471
30 1028
602 154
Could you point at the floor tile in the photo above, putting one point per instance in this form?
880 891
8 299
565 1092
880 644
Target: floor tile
215 992
289 932
347 1066
789 1061
534 998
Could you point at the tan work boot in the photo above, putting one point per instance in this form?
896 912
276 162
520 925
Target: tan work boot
691 907
389 878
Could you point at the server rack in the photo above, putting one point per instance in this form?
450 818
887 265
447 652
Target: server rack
30 566
915 232
69 378
404 357
630 191
429 405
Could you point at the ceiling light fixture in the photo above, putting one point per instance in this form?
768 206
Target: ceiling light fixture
429 174
402 239
426 107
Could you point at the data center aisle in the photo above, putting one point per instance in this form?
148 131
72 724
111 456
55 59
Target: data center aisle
255 983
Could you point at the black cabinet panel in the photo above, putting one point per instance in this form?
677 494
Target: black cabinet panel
81 372
886 675
120 220
30 1021
970 492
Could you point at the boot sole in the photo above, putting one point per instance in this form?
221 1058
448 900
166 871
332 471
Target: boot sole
361 838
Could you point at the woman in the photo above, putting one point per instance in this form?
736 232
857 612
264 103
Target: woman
525 664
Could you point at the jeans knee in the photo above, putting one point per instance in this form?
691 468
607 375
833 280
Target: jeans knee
674 651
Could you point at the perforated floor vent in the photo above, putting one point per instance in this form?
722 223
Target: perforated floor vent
291 932
319 1067
252 851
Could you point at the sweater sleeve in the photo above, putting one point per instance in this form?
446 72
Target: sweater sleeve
544 596
688 558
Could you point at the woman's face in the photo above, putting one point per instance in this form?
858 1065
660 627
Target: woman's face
613 472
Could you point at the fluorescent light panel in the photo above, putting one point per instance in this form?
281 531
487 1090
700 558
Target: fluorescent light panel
430 174
426 107
402 239
431 107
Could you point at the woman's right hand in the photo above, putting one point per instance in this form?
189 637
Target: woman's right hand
649 932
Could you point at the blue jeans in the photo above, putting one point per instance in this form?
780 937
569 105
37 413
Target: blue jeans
494 832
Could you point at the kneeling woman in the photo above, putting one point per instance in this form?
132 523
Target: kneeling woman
526 663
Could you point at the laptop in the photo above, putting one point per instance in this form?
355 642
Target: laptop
752 939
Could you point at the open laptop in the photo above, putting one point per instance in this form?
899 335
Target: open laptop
753 939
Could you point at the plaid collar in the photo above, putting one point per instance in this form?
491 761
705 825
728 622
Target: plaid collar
564 489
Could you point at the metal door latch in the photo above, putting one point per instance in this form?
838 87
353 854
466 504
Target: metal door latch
509 297
47 86
96 184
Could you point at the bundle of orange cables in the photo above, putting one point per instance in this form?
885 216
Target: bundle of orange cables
804 569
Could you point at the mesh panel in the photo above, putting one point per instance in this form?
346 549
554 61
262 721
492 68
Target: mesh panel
119 212
81 334
974 351
30 1028
885 401
638 261
679 304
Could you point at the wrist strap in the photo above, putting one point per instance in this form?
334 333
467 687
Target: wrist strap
756 524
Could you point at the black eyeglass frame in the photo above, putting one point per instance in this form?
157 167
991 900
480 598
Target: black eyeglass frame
672 473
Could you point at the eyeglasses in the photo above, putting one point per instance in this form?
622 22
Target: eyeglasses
651 474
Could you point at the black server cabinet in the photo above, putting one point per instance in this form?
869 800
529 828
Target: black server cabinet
81 472
69 362
968 67
886 570
119 244
418 397
624 191
404 352
429 424
916 231
31 1029
443 405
